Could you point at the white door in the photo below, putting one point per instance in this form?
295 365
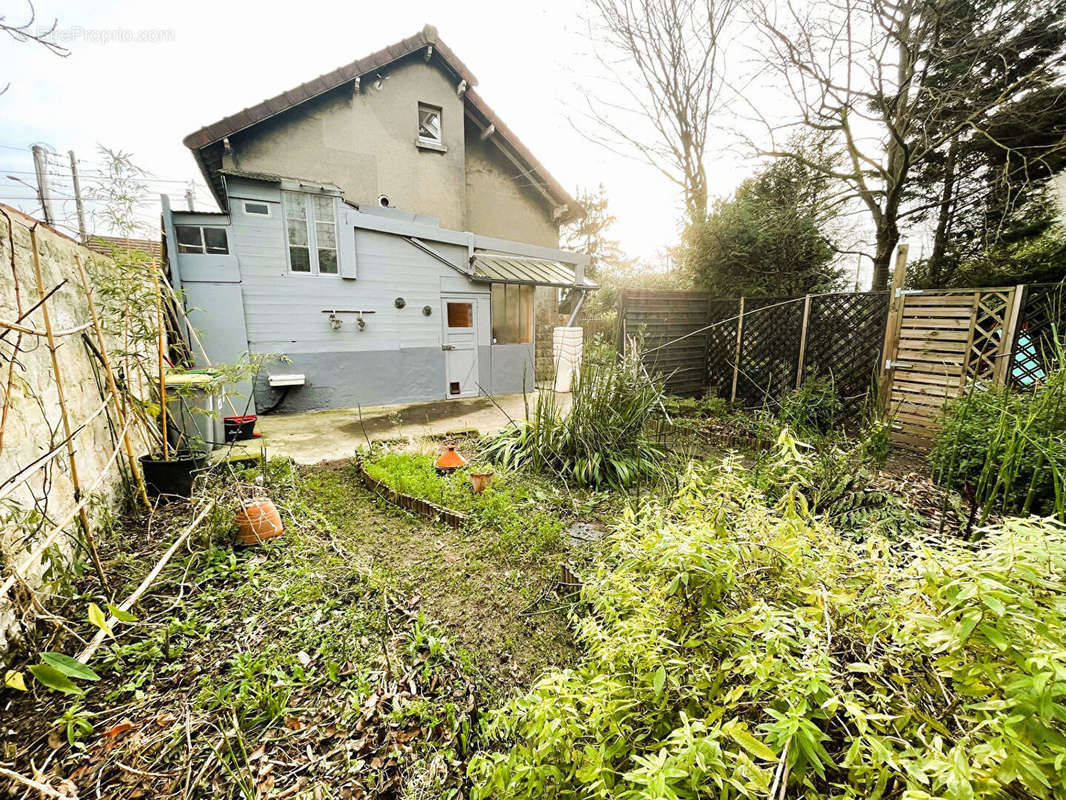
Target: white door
459 313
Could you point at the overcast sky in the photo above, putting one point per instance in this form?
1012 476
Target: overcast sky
143 75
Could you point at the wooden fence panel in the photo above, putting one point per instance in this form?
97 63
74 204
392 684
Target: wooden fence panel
845 332
756 350
674 343
946 340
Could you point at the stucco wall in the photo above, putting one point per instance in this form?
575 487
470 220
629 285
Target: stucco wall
364 142
498 204
33 426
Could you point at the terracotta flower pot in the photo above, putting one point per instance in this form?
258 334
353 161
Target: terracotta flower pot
480 481
257 521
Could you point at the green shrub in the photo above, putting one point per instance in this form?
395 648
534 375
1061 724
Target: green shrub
1006 449
600 440
702 407
813 408
740 650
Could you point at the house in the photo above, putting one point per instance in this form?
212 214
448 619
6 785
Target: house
384 230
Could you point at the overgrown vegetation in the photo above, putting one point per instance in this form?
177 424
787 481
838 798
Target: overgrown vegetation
351 654
1005 449
815 407
600 440
738 648
524 520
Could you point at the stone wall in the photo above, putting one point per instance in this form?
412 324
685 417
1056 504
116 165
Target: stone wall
32 425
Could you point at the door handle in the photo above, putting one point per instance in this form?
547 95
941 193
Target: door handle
447 347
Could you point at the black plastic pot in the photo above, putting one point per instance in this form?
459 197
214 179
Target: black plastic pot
239 428
171 478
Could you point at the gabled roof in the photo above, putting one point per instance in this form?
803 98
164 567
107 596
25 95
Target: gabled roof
206 143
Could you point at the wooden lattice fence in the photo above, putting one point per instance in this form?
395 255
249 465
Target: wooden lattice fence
1042 311
845 333
755 350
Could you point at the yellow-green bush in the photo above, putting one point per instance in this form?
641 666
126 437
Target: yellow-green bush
733 646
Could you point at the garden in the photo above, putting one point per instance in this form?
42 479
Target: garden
653 597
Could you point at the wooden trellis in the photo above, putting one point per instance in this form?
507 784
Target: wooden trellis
1042 310
770 338
926 346
756 350
844 336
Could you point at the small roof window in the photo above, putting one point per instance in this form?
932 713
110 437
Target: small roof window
429 124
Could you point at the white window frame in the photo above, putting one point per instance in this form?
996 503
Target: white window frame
312 235
439 142
203 251
262 203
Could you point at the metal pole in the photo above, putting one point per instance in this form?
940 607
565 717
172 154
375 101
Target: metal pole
40 167
190 196
77 196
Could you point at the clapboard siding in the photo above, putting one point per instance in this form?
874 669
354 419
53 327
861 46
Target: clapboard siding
284 310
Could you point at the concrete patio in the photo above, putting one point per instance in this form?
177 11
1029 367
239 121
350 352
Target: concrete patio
315 436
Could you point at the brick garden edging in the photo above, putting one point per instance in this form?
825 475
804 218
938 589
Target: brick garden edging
417 505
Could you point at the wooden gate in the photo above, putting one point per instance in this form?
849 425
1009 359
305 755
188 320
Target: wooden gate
937 343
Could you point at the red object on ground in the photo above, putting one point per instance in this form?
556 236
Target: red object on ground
450 459
258 520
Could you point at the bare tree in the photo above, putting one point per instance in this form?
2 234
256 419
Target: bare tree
896 83
667 58
25 32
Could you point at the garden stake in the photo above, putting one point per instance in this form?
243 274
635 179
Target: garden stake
128 603
49 538
119 409
162 370
83 515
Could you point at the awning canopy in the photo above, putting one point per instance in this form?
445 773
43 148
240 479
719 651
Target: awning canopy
495 268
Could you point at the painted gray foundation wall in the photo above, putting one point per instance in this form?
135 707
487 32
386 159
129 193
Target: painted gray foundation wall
350 379
512 368
384 377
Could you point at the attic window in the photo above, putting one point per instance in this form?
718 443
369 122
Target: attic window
429 124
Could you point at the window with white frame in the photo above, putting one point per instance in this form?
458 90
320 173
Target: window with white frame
429 124
193 239
256 209
311 232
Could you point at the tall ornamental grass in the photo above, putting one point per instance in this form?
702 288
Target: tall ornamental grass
600 440
1005 448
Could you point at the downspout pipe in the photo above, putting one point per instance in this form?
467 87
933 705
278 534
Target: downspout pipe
577 309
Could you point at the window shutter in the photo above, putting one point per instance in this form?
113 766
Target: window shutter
346 245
